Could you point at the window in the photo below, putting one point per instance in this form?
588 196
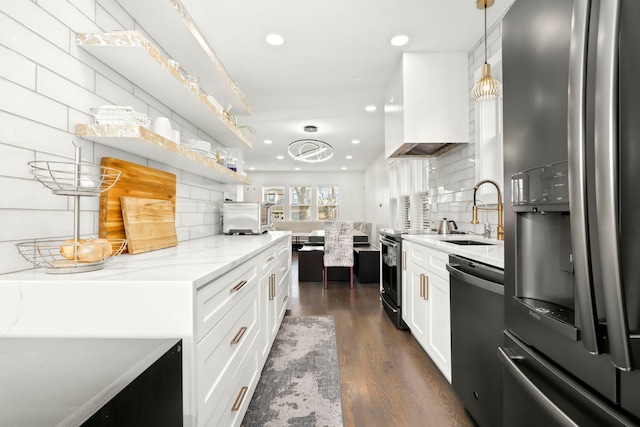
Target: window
301 203
275 195
327 202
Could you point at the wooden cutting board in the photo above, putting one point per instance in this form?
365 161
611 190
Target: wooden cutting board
135 181
149 224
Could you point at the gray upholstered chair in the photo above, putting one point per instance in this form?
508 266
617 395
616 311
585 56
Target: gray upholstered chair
338 247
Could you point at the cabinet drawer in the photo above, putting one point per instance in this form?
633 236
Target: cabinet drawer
215 299
266 260
433 260
282 269
220 353
282 295
284 248
234 400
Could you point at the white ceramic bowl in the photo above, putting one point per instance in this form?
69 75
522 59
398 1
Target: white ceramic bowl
162 126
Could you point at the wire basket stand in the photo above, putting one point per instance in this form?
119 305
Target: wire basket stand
76 179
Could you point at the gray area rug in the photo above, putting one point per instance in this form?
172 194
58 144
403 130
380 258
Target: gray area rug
300 383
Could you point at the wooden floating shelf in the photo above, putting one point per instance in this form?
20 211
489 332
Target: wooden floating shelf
145 143
134 56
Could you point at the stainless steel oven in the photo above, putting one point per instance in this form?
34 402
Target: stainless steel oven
391 275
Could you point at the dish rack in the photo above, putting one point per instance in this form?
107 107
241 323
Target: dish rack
77 254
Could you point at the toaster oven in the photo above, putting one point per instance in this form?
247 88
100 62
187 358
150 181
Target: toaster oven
246 217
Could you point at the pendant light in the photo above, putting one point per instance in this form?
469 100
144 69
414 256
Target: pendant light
310 150
487 88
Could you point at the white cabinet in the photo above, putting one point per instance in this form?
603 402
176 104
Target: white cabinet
427 101
238 316
426 302
275 285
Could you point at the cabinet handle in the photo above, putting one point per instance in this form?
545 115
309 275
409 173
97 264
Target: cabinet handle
239 399
422 285
404 260
272 286
286 297
239 286
236 339
271 258
426 287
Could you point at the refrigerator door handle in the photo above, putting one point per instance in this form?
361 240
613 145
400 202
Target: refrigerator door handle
585 299
606 151
508 361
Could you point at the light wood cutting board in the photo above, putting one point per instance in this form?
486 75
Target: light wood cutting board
149 224
135 181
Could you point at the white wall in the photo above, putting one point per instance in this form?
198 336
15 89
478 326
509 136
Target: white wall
351 185
376 186
48 85
452 175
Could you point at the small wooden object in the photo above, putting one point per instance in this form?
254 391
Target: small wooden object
149 224
135 181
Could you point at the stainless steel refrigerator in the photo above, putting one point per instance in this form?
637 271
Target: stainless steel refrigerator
571 71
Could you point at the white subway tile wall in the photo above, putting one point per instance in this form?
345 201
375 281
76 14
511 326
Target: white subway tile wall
48 86
452 175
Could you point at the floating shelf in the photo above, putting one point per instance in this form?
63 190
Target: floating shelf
172 28
145 143
139 60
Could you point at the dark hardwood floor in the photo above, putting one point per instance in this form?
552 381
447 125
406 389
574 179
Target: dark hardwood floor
387 379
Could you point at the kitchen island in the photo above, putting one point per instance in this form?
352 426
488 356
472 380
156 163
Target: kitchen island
224 296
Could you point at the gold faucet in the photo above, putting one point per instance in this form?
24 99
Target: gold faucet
500 208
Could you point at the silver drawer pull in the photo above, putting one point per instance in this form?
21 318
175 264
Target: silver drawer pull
239 399
271 258
272 286
236 339
286 297
239 286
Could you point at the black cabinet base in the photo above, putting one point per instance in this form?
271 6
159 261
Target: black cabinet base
152 399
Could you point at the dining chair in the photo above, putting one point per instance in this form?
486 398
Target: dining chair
338 247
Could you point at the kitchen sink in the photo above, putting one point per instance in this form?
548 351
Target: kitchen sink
468 242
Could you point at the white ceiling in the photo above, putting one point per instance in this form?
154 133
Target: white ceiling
335 60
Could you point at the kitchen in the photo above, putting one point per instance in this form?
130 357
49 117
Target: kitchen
54 85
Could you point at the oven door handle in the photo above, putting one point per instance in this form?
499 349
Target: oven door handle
388 242
395 310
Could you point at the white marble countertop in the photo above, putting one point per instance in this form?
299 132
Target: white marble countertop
194 261
48 382
489 254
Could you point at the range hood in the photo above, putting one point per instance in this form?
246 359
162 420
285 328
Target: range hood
423 149
427 105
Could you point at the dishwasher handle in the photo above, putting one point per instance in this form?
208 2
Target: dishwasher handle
472 280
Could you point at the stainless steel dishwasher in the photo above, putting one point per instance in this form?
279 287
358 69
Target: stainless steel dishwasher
477 322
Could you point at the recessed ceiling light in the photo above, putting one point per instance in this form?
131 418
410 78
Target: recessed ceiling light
275 39
370 108
344 168
297 169
252 168
349 157
268 141
280 157
355 141
399 40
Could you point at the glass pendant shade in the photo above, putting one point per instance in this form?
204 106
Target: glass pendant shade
487 88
